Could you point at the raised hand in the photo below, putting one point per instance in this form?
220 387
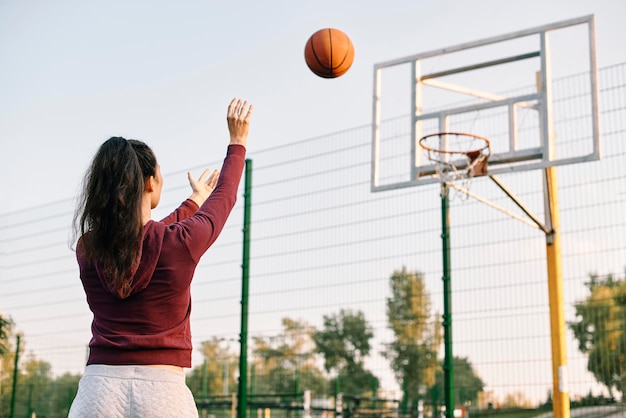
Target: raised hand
203 187
238 118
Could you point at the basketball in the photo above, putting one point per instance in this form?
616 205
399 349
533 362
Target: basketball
329 53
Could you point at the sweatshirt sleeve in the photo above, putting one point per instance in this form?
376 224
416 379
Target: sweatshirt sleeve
184 211
200 231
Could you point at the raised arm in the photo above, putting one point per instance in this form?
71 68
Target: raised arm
238 119
199 231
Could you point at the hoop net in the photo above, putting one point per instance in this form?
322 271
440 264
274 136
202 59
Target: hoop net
457 156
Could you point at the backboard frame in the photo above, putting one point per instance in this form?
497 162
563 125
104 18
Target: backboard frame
516 159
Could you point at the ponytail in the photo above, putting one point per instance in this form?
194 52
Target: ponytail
108 217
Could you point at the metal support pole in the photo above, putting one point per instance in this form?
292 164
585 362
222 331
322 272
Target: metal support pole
242 404
15 374
404 405
297 388
560 395
205 380
448 371
338 398
225 380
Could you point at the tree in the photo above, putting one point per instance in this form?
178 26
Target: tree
282 363
413 353
599 328
216 376
37 391
344 342
59 396
516 400
34 381
467 384
6 328
7 361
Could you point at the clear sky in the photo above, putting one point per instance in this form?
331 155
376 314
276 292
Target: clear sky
74 73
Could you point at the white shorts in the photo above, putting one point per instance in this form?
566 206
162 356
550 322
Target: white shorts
132 391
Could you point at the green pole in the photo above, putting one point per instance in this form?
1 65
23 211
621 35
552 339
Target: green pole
404 406
434 397
337 391
253 379
374 387
242 404
14 389
448 373
296 395
30 400
205 380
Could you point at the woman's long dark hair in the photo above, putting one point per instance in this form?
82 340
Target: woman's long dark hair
108 216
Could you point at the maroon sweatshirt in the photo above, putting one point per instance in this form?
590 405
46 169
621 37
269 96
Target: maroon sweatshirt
150 323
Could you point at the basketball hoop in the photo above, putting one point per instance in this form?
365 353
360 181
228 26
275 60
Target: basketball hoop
457 155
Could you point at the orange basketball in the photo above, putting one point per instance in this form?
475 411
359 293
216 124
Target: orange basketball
329 53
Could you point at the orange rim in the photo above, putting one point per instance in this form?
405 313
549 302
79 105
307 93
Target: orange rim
443 151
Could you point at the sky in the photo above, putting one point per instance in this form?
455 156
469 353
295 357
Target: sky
74 73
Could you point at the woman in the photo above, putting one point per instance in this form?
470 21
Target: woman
137 273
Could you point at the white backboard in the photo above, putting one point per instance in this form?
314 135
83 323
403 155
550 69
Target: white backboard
533 93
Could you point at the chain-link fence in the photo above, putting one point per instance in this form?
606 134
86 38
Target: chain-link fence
322 242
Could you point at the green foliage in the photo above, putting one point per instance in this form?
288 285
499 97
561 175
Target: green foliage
6 330
413 353
216 376
37 390
344 342
467 384
7 356
358 381
286 362
599 328
59 396
35 379
591 400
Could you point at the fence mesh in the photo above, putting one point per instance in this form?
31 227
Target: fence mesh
323 242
